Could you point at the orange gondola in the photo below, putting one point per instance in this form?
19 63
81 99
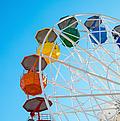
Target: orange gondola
30 83
31 62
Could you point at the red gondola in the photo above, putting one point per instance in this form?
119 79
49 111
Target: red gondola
37 105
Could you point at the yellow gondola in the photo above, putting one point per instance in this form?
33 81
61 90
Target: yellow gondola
50 49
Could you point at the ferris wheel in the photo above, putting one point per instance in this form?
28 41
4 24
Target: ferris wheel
75 73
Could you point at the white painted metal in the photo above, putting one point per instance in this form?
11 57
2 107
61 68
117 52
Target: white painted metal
84 83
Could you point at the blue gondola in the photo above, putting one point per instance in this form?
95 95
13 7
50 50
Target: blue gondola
118 42
116 32
100 34
93 22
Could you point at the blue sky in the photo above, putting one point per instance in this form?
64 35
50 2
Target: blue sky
19 21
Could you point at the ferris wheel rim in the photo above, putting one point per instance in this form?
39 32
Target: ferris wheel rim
42 55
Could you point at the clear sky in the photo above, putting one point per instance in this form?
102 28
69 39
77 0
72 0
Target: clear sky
19 21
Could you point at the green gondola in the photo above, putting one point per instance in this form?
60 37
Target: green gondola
71 33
